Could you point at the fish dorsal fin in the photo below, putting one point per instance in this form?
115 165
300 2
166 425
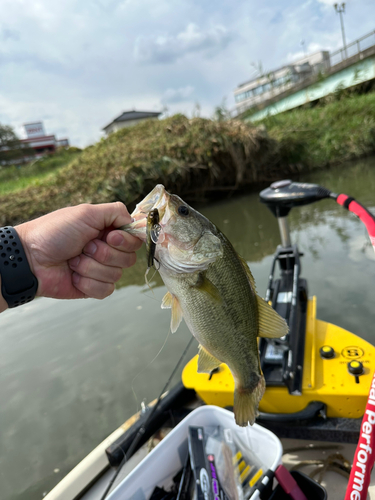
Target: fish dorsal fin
166 303
271 324
206 362
250 277
206 286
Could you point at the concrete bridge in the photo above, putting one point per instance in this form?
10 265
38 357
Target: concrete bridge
347 67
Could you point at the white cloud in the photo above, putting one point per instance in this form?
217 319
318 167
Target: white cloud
177 95
168 48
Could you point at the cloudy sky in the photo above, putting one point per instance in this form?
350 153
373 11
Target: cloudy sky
77 64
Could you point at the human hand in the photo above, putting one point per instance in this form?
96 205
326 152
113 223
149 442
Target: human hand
76 252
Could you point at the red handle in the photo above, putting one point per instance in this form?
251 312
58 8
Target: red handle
366 217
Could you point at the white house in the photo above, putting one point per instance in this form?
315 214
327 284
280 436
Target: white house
128 119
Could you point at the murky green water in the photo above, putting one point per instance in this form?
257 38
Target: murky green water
72 372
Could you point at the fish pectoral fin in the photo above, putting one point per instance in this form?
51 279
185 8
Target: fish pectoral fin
171 302
176 314
271 324
205 286
206 362
166 303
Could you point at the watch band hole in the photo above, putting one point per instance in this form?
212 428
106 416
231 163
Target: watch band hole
14 244
3 255
6 263
16 251
6 242
9 249
14 265
19 259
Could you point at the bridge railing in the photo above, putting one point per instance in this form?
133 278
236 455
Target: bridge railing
352 49
334 58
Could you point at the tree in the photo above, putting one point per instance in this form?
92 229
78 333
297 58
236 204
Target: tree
11 148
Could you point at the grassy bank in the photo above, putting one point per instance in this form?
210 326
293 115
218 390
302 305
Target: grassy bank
192 157
338 131
198 158
17 177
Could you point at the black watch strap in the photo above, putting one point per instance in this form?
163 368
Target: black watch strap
18 284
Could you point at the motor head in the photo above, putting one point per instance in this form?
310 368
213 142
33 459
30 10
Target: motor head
283 195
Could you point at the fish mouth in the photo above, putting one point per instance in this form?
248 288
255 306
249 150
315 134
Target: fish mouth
157 198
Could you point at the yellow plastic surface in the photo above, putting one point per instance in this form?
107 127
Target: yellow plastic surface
325 380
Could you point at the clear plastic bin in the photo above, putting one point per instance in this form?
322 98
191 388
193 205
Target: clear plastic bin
163 463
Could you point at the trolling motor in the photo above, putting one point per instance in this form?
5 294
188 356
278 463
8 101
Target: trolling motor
282 359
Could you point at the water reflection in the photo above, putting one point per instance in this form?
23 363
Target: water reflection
68 369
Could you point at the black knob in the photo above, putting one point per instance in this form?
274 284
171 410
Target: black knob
327 352
355 367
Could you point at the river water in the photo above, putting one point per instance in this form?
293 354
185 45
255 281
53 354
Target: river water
73 371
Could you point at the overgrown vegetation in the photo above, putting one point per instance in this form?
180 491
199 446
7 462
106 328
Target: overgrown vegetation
341 129
199 158
194 157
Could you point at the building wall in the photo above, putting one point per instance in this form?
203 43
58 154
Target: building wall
114 127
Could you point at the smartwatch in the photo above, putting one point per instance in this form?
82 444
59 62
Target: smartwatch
18 283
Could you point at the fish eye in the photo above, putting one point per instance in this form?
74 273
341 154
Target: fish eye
182 210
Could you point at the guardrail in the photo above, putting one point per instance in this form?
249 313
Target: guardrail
352 49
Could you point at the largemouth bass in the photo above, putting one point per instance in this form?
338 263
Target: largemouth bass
212 288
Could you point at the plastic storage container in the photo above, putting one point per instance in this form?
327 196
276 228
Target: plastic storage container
159 467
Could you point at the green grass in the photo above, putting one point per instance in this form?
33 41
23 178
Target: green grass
328 134
17 177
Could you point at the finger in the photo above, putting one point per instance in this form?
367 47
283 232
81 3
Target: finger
92 288
109 214
123 241
109 256
90 268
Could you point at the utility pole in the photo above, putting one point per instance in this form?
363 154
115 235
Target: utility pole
340 9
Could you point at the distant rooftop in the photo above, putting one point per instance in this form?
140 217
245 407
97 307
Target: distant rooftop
133 115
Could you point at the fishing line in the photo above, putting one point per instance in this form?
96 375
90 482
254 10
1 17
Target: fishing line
141 430
146 367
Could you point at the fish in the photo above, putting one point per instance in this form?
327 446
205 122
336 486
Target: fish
213 289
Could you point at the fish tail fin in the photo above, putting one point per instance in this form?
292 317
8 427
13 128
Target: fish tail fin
246 402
